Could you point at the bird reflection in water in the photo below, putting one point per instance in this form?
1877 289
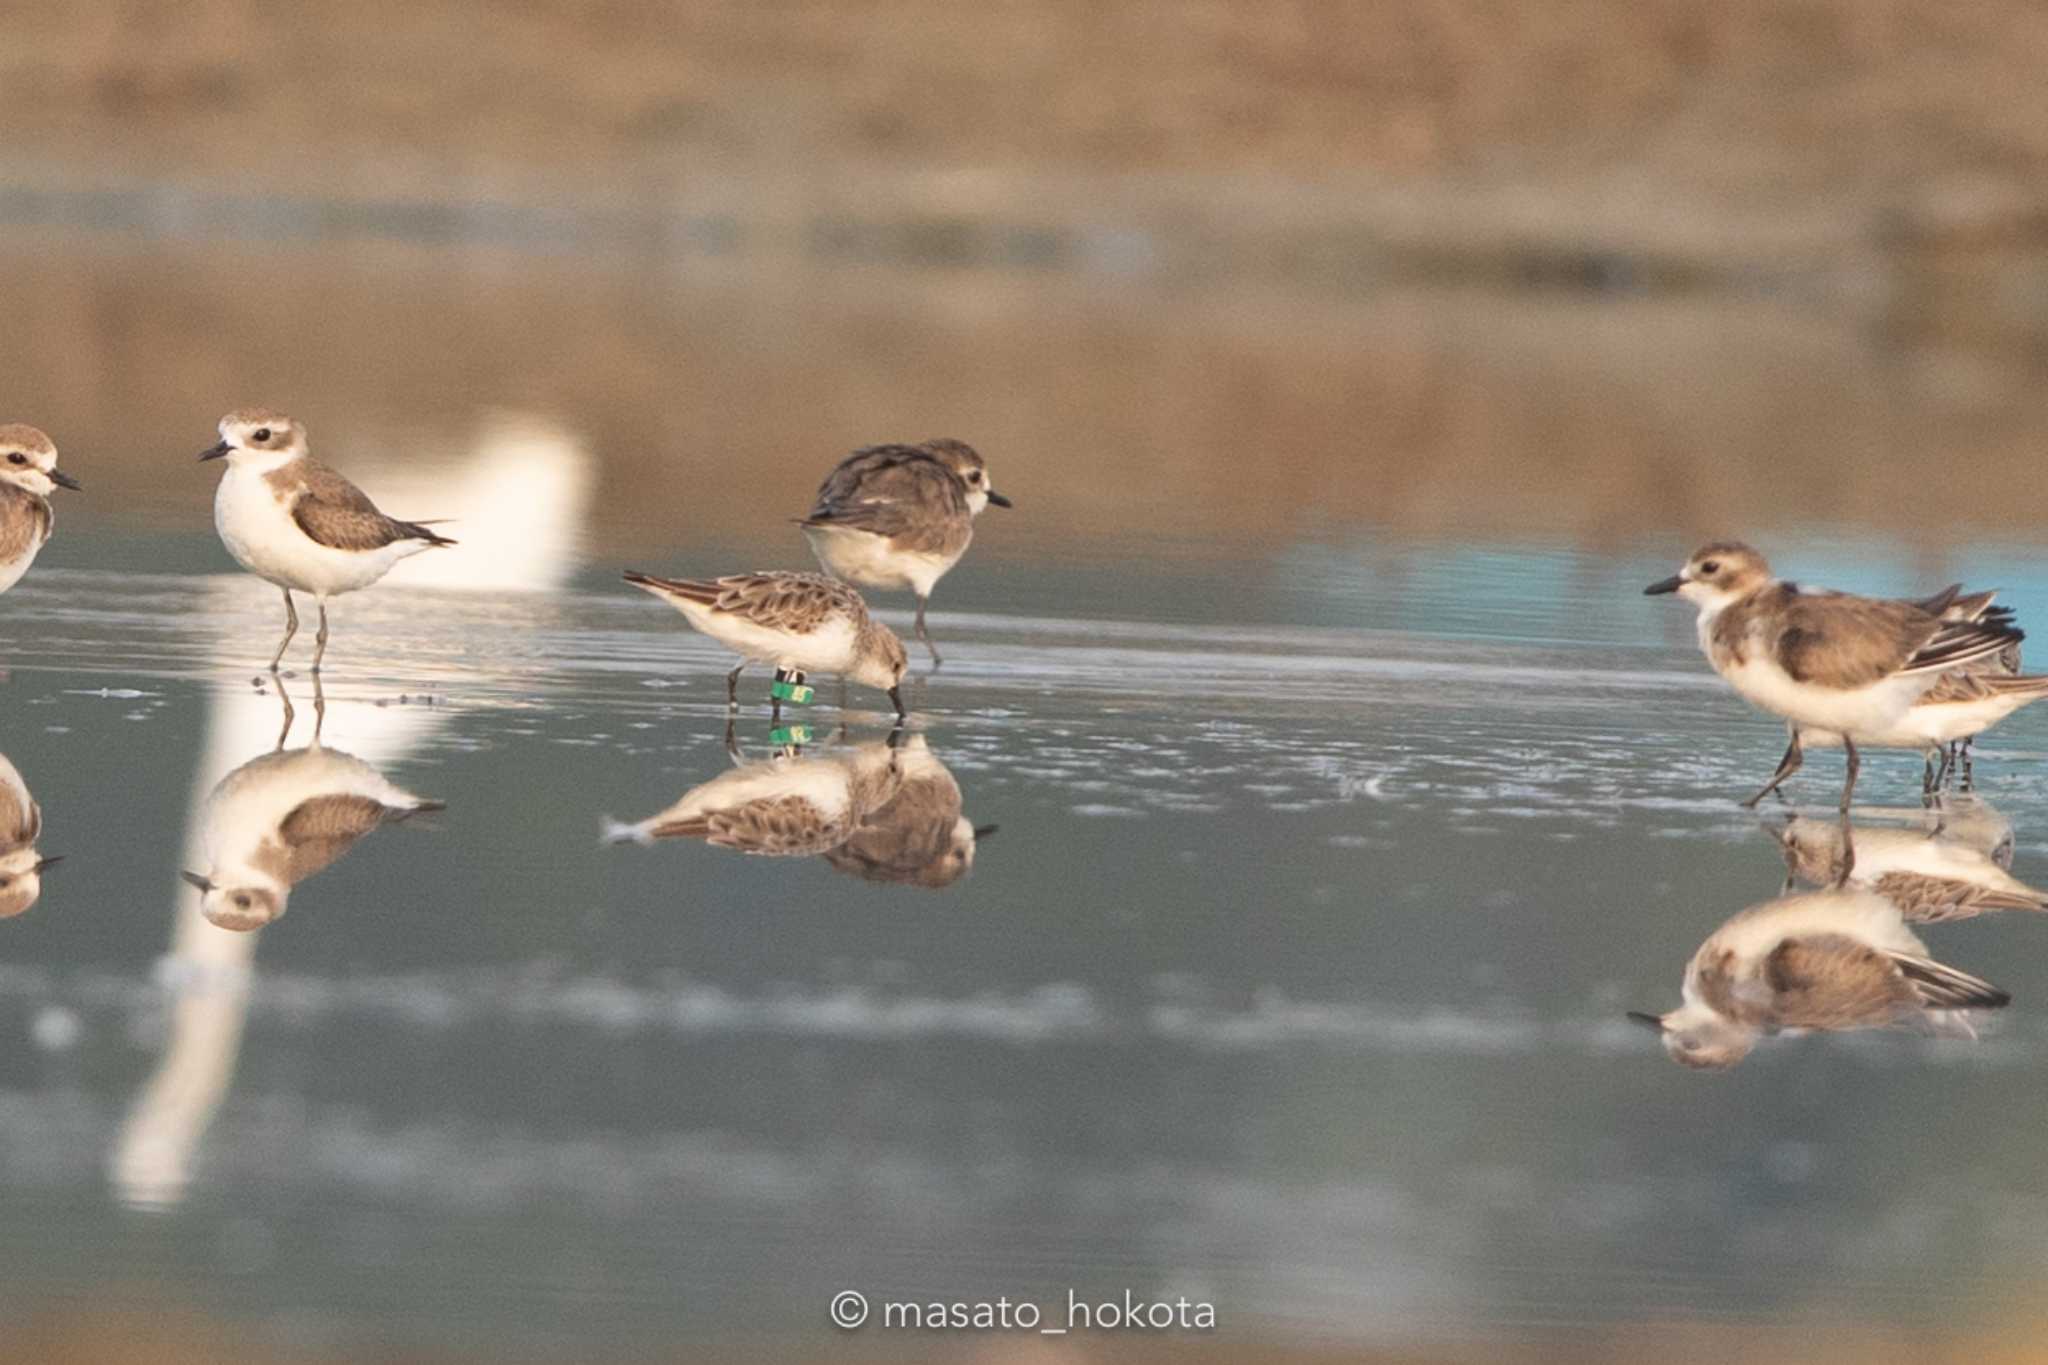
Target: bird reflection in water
885 810
918 837
21 825
285 815
1829 961
1946 872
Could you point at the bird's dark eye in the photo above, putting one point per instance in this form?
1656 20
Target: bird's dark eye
262 435
1711 566
242 901
16 457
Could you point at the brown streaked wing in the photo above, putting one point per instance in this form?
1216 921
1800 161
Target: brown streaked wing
25 522
900 493
1932 900
776 827
316 833
1831 981
1848 642
335 512
796 603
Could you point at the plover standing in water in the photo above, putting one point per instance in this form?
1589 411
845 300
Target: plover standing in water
1952 713
900 516
28 473
1824 660
294 522
1829 960
799 622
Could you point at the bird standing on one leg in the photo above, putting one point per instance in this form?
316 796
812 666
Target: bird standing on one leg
294 522
900 516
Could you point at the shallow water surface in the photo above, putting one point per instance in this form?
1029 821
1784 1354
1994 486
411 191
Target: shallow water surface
1290 979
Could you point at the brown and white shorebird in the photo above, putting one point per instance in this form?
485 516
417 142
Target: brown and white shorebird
21 824
1828 960
280 818
788 806
900 516
1825 661
1960 706
918 837
799 622
1929 876
294 522
28 475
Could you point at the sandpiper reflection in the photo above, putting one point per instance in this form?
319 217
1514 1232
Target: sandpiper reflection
21 825
285 815
789 805
1828 961
919 836
1929 874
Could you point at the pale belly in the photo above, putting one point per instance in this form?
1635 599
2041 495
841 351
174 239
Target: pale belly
264 539
1927 726
829 649
1875 709
868 560
12 570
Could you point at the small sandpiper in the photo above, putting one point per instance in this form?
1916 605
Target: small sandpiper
294 522
1825 660
800 622
900 516
28 474
1829 960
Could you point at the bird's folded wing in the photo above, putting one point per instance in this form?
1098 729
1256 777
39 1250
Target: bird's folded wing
1832 981
1837 640
888 491
780 826
795 603
317 832
1923 899
339 515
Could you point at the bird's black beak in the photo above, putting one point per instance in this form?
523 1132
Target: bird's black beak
984 831
193 877
1648 1021
63 480
1664 585
998 499
214 452
43 863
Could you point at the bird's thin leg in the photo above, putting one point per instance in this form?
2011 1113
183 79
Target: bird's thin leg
732 743
1788 765
320 641
284 731
291 628
1849 781
775 702
926 636
896 700
1969 768
732 686
1930 774
319 692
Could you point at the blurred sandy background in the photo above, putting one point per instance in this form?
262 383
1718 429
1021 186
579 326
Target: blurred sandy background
1580 271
